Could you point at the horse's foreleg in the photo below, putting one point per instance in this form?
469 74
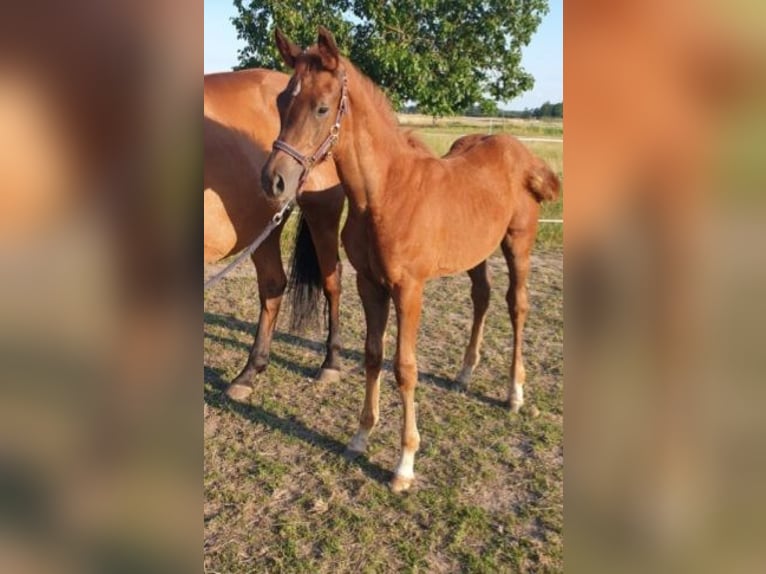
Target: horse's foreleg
480 297
516 248
376 302
408 300
271 286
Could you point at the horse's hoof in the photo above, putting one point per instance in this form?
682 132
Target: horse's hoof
516 398
401 483
351 454
460 387
328 376
514 407
463 379
239 392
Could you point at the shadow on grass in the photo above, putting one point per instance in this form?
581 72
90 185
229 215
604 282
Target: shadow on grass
215 398
300 370
349 356
490 401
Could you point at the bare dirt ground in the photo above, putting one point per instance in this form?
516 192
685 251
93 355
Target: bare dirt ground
279 495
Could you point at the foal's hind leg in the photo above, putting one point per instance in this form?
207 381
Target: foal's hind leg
480 297
517 246
271 286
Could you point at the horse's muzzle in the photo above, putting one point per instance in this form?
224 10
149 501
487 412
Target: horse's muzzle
279 179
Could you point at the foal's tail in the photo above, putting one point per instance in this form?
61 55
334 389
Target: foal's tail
305 283
543 184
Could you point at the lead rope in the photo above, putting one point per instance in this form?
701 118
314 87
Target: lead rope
275 221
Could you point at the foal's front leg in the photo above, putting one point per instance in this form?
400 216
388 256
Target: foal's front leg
408 300
376 301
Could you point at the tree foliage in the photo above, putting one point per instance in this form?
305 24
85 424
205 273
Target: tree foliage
445 55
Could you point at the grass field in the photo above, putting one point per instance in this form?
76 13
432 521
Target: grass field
552 128
280 497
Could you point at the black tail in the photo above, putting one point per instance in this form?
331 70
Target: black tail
305 282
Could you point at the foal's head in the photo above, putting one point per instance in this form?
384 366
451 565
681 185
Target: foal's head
310 111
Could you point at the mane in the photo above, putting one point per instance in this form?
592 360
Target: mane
406 137
415 142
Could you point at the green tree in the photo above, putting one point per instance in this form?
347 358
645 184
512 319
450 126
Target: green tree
544 111
444 55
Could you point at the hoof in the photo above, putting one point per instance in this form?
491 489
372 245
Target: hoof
516 398
401 483
239 392
350 454
328 376
463 379
514 407
460 387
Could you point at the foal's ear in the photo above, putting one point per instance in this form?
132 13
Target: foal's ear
328 51
287 49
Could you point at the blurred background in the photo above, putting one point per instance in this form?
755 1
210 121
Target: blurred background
100 228
100 353
664 284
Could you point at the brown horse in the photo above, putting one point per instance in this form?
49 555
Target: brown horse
412 216
241 122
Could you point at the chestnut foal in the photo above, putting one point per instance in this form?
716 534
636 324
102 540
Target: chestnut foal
412 216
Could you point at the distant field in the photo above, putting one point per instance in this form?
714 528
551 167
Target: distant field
457 124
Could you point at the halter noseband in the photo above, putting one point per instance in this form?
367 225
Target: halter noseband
325 148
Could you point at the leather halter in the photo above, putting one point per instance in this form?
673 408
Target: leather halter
325 148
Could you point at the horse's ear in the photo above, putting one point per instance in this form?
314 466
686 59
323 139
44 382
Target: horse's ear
328 50
287 49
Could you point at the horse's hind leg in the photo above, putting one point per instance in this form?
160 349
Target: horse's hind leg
271 286
323 221
517 246
480 297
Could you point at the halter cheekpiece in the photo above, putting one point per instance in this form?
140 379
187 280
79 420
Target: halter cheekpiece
325 148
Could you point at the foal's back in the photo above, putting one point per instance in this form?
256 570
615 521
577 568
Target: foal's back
462 205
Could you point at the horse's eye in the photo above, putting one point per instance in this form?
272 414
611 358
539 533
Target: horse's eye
322 111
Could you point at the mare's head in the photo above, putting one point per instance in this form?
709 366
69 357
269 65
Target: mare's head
311 110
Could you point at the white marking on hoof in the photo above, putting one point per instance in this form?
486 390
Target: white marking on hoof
405 468
358 443
517 397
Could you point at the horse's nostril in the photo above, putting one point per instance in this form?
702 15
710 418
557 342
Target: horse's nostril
279 185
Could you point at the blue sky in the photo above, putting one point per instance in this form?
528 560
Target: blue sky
543 58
